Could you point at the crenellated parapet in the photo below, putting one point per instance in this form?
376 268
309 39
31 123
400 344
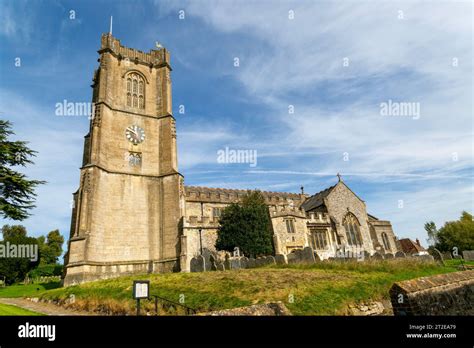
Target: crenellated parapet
222 195
154 58
200 222
318 218
285 210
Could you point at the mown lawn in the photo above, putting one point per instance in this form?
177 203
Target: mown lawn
30 290
14 310
319 289
458 262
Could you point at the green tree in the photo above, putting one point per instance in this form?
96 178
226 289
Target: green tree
14 230
17 193
432 232
50 247
14 269
459 234
246 225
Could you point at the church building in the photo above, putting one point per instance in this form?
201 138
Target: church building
132 212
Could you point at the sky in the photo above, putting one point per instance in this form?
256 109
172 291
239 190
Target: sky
312 87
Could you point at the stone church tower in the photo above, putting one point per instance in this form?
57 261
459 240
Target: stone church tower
128 207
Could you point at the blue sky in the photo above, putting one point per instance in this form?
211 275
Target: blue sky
408 170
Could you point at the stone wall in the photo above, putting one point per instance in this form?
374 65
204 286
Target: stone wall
265 309
444 294
341 201
382 226
126 214
199 215
284 241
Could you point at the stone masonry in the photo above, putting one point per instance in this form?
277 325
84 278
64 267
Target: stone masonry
444 294
132 212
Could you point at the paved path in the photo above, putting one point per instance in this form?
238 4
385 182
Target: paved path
42 307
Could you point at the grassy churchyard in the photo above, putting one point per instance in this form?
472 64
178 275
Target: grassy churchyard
325 288
14 310
30 290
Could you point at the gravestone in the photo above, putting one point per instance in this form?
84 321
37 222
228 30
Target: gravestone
227 262
244 262
234 263
468 255
251 263
206 253
307 255
270 260
197 264
212 262
437 255
377 256
447 255
280 259
259 262
399 254
220 266
388 256
291 258
299 255
294 257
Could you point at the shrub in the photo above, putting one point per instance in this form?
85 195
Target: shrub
46 271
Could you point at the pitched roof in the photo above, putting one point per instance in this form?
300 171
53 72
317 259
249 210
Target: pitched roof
410 247
317 199
371 217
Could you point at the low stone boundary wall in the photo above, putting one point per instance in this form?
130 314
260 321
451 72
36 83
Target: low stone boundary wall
443 294
266 309
42 279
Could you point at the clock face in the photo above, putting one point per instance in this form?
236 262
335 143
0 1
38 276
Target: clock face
135 134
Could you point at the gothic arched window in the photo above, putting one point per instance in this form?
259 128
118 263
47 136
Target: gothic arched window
318 238
386 243
352 227
135 91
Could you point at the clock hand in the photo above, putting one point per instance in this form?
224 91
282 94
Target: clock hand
132 131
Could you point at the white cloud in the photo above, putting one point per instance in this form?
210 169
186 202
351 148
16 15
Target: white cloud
420 205
16 20
416 53
311 47
198 145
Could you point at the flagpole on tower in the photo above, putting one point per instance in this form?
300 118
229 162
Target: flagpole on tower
111 19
